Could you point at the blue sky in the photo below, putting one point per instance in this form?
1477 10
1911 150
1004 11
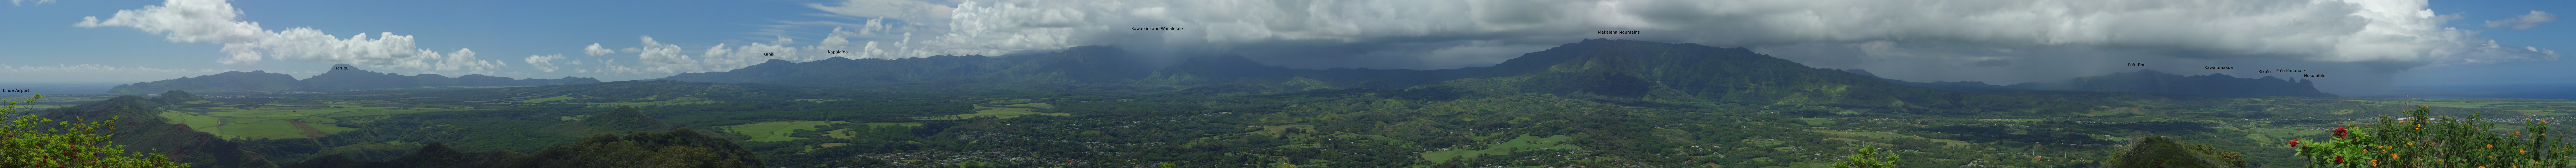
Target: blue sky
43 44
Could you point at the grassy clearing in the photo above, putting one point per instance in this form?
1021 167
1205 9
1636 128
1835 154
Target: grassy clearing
1522 143
842 134
776 131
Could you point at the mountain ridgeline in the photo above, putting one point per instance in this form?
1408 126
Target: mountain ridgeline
1604 69
351 78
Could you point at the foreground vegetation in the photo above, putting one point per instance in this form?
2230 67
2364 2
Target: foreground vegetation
45 142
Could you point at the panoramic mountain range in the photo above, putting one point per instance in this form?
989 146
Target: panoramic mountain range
1628 92
1611 68
1593 68
1603 67
339 79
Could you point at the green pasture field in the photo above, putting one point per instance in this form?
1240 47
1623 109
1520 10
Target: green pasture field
843 133
776 131
280 120
1522 143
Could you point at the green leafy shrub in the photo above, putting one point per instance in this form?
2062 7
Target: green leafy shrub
72 144
2423 141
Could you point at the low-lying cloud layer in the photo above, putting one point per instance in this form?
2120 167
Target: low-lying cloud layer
2524 22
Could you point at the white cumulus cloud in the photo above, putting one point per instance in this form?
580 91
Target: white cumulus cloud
594 50
546 62
216 21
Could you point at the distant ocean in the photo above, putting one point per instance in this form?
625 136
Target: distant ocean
2566 91
59 88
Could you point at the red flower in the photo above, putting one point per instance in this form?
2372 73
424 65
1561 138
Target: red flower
2339 132
2294 142
2338 159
